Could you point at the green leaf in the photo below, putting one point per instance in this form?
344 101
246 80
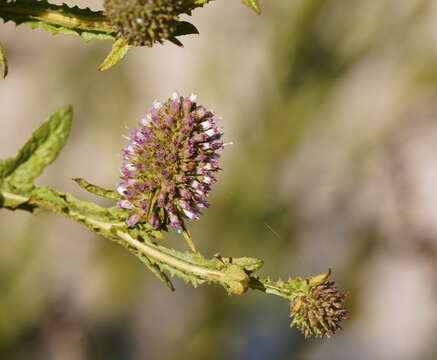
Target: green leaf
39 151
201 2
3 63
58 19
155 269
253 4
118 51
97 190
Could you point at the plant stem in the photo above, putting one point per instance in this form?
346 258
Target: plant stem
232 276
235 279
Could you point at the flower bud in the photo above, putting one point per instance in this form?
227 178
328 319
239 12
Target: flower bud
319 310
143 22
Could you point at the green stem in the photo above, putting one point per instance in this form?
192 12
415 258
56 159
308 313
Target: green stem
235 279
235 275
207 274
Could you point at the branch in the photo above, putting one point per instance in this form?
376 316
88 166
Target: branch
317 306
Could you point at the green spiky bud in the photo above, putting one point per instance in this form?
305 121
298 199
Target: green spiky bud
319 310
144 22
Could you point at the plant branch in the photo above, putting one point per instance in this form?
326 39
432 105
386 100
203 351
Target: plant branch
310 297
234 274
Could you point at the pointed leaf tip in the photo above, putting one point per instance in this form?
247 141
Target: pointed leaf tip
320 279
253 4
97 190
118 51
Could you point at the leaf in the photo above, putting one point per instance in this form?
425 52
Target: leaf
183 28
3 63
118 51
155 269
40 150
201 2
253 4
58 19
97 190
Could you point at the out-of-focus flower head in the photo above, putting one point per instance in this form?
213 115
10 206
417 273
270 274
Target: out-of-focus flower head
143 22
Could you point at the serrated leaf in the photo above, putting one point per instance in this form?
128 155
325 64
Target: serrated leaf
253 4
97 190
3 63
39 151
154 268
58 19
118 51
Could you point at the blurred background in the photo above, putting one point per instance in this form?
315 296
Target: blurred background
332 105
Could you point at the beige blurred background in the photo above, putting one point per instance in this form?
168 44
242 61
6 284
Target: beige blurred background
332 105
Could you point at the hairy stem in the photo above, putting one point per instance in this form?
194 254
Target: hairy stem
208 274
234 274
229 276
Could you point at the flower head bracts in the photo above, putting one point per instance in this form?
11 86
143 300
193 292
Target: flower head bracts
319 310
170 163
144 22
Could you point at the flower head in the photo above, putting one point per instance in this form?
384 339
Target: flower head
170 163
143 22
319 311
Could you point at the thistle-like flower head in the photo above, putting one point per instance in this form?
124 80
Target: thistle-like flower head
170 163
143 22
319 310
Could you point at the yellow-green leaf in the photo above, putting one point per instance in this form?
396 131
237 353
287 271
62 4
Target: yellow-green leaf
118 52
39 151
253 4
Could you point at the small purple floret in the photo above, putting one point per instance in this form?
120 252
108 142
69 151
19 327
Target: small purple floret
132 220
170 163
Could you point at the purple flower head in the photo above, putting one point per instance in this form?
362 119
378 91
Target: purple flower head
170 163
